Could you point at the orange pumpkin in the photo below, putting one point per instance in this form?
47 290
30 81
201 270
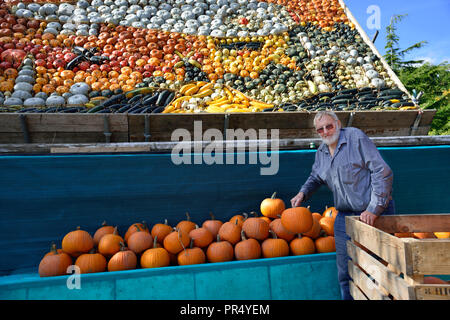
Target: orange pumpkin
54 263
272 207
297 220
77 242
302 245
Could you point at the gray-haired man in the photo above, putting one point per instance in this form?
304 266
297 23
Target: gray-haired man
349 163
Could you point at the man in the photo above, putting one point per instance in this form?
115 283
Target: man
350 165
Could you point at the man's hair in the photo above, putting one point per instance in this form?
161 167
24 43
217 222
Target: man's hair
329 113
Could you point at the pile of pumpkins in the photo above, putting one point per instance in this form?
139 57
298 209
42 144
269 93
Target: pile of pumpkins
279 232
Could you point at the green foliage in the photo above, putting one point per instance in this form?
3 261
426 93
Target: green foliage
394 54
432 80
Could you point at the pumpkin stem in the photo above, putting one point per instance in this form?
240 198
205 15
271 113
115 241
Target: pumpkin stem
179 239
245 214
254 213
166 222
218 238
274 235
115 231
212 216
236 221
191 244
196 226
188 218
122 246
145 225
104 223
137 227
243 235
155 242
53 248
274 195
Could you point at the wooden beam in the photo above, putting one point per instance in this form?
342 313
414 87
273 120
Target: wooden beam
414 223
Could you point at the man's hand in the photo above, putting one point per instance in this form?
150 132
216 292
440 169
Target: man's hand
368 217
297 200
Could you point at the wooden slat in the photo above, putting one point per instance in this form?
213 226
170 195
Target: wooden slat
427 257
77 122
367 286
414 223
355 292
384 245
395 285
388 118
432 292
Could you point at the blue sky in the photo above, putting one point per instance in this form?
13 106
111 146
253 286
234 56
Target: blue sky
427 20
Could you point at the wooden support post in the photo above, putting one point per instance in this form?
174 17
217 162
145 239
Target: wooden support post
23 123
226 122
106 132
147 134
416 123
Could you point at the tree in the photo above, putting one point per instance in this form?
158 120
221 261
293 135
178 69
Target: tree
394 54
417 76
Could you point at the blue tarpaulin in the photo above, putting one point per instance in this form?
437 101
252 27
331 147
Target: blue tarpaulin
43 197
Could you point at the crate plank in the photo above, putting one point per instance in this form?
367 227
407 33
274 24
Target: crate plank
386 278
432 292
427 257
356 292
367 286
414 223
77 122
384 245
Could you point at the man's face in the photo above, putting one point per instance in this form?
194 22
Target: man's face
328 129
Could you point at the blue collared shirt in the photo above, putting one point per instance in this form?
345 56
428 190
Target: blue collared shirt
357 174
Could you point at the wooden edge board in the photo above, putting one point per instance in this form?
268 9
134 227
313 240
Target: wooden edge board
366 285
384 245
432 292
414 223
355 292
427 257
387 279
372 46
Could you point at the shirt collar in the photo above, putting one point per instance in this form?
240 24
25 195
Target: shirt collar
342 139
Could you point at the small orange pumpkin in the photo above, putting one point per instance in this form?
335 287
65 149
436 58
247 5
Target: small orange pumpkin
302 245
77 242
155 257
54 263
125 259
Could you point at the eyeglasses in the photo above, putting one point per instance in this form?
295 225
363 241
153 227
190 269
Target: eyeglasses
328 127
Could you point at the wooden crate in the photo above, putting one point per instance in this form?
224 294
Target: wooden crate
385 267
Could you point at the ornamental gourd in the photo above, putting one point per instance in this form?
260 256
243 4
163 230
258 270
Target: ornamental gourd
140 241
191 255
231 232
220 251
176 241
110 244
132 229
125 259
302 245
272 207
327 224
202 237
155 257
256 228
213 225
325 244
330 212
77 242
161 230
297 220
104 229
274 247
91 262
186 225
281 231
54 263
247 249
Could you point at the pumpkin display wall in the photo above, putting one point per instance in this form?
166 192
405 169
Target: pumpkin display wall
184 58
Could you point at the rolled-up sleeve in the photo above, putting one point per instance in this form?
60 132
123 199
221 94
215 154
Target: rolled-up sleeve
314 181
381 176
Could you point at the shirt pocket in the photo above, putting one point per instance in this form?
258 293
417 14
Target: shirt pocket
348 173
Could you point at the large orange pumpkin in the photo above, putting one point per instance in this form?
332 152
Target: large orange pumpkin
297 220
91 262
